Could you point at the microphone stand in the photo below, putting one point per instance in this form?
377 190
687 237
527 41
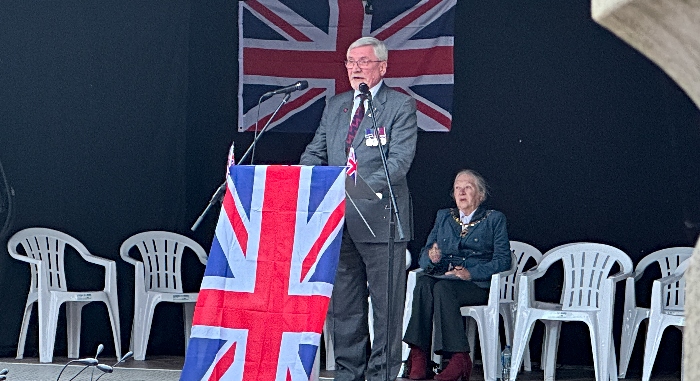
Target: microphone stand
219 194
393 219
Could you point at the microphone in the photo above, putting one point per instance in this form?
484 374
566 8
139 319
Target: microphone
109 369
124 358
364 89
86 362
100 348
301 85
105 368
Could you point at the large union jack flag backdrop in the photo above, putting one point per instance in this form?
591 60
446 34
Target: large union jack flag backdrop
270 273
283 41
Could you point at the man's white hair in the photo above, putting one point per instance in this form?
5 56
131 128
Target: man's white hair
378 46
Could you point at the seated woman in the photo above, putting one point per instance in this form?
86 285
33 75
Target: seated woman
466 246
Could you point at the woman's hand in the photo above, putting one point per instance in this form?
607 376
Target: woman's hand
434 253
460 272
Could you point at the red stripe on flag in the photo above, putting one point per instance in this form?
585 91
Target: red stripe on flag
429 111
293 64
411 17
288 28
238 310
239 229
276 245
334 220
223 364
418 62
351 15
433 114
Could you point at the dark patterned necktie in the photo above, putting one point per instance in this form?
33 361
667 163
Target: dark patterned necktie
355 123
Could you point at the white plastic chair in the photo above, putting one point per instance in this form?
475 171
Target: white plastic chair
44 250
668 260
158 278
667 308
486 318
502 298
588 295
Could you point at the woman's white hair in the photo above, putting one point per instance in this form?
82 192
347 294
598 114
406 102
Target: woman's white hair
481 185
378 46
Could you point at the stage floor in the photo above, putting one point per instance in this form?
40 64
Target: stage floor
167 368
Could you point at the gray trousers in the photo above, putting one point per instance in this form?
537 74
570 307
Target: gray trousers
362 271
438 300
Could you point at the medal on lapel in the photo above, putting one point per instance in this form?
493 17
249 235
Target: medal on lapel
382 135
370 139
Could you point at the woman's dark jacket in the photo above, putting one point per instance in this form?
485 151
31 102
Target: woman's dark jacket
484 251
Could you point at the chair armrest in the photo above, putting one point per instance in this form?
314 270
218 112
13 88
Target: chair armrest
130 260
620 276
671 279
657 300
534 273
201 254
24 258
104 262
526 288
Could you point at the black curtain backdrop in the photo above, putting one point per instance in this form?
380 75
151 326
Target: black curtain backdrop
117 118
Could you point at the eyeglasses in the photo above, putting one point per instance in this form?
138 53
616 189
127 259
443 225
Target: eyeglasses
363 63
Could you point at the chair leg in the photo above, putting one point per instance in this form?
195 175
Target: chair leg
73 324
113 310
317 366
527 362
600 351
188 314
23 331
490 350
48 319
508 325
141 331
521 337
550 346
627 340
612 363
328 341
682 355
651 347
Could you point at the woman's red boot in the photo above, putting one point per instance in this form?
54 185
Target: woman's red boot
459 368
418 360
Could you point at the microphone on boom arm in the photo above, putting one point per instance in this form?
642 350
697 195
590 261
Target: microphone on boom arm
300 85
88 362
109 369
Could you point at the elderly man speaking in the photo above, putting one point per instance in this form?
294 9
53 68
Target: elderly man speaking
347 126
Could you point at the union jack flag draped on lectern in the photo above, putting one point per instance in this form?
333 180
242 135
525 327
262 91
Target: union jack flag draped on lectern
270 274
283 41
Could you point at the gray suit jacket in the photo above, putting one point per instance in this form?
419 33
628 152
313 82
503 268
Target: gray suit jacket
394 111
